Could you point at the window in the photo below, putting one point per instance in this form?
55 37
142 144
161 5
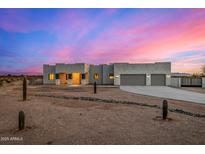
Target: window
51 76
83 76
111 76
69 76
96 76
57 76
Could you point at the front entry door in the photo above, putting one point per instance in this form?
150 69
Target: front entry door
76 78
62 77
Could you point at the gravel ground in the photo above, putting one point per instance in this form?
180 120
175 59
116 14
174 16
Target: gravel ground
66 121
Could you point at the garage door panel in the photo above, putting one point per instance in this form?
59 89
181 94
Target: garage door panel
133 79
158 79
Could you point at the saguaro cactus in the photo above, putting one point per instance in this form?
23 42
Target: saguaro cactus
21 120
95 88
24 88
164 109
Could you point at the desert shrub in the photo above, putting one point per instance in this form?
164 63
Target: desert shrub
36 81
12 79
3 82
8 80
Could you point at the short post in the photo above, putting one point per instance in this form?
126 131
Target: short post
95 88
164 109
203 82
24 88
21 120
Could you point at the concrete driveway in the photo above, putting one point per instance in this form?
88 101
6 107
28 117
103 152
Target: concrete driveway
166 92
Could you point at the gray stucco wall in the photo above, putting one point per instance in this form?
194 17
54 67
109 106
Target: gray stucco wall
148 79
203 82
168 79
103 71
175 82
148 69
95 69
47 69
86 68
108 69
69 68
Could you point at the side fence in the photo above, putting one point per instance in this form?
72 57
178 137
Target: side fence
191 82
187 82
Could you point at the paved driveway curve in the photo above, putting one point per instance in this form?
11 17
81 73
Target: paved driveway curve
166 92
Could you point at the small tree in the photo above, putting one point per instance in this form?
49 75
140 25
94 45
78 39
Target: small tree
196 75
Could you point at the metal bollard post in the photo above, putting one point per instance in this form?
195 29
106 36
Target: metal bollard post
95 88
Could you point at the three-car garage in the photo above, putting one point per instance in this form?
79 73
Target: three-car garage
148 74
140 79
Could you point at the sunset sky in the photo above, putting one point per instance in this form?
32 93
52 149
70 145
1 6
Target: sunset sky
30 38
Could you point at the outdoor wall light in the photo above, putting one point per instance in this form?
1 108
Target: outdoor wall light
168 76
117 76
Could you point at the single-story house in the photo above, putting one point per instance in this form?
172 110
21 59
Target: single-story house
149 74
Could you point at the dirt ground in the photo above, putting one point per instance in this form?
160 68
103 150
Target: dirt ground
51 120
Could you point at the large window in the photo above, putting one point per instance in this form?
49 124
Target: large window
96 76
111 76
51 76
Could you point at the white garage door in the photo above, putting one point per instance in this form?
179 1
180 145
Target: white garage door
133 79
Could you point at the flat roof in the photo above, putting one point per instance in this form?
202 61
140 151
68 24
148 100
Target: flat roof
106 64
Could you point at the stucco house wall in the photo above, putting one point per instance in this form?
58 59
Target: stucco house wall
47 69
175 81
69 68
95 69
108 69
86 71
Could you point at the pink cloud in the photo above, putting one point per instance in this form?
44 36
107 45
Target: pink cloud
58 55
121 44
